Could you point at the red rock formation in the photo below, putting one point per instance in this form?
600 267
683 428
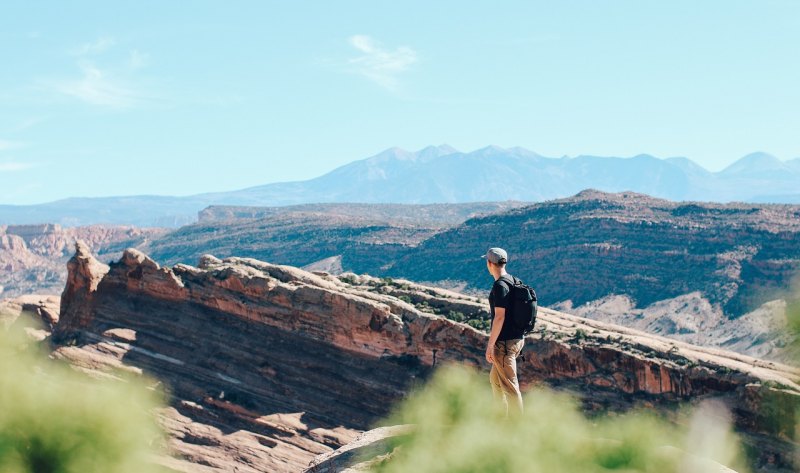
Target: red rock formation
84 275
297 363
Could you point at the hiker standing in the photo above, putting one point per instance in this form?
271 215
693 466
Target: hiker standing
505 340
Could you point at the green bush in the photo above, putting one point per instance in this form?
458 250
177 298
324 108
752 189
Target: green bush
457 427
456 316
479 324
56 420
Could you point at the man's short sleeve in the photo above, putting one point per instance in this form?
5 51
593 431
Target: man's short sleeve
500 292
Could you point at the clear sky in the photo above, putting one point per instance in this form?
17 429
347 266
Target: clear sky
176 98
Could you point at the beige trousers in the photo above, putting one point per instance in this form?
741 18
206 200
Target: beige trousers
503 376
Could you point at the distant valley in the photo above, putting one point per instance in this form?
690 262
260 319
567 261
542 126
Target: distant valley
442 174
33 258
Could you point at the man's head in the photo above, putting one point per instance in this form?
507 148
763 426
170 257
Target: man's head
496 259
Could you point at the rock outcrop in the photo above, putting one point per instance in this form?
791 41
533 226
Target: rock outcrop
84 275
268 366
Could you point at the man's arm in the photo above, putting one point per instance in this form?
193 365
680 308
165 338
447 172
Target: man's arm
497 326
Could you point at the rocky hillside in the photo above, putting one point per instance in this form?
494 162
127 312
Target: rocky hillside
33 257
596 244
430 215
363 238
268 366
712 274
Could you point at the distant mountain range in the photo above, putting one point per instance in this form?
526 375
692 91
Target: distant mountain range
442 174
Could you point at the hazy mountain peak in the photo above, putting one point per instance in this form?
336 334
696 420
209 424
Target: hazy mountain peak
393 153
687 165
755 162
446 149
520 151
491 150
432 152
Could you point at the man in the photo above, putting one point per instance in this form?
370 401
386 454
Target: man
505 341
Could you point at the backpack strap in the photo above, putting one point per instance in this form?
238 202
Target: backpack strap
508 279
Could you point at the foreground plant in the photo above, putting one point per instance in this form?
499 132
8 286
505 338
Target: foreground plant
54 419
457 427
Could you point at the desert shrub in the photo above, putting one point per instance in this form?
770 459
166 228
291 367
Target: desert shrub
387 281
457 427
456 316
56 420
350 279
479 324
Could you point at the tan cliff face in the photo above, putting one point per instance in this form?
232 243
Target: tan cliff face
279 364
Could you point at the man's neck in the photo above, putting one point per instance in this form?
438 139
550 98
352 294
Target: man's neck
500 273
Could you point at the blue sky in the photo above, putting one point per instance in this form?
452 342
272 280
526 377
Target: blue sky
177 98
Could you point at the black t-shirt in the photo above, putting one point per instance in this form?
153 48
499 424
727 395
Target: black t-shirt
499 297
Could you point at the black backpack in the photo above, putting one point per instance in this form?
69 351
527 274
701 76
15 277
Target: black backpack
523 304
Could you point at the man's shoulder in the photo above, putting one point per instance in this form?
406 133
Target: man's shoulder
506 280
504 283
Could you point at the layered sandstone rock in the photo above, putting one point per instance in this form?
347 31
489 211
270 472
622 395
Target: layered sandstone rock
268 366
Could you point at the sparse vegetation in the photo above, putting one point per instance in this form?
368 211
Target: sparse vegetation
480 324
387 281
456 316
349 279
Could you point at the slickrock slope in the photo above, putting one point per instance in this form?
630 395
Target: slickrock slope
268 366
33 257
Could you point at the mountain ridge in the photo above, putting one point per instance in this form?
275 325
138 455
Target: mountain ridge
442 174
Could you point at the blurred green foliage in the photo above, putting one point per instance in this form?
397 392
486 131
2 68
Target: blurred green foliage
54 419
457 427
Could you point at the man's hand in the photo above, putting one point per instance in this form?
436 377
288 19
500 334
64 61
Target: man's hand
497 325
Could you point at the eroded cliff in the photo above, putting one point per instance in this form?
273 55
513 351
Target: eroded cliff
268 366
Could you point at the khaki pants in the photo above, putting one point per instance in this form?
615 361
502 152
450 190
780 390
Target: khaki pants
503 376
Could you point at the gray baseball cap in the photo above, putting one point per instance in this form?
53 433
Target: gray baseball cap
496 255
